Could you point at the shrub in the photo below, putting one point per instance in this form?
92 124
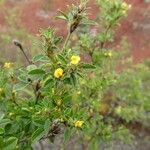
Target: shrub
58 93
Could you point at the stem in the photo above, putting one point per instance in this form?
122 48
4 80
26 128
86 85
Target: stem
36 91
37 96
67 40
18 44
91 55
26 56
106 31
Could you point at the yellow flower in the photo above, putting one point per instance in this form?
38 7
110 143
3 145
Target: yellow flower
108 54
59 102
124 5
125 8
7 65
75 59
79 92
11 114
58 110
1 90
118 110
58 73
78 124
124 12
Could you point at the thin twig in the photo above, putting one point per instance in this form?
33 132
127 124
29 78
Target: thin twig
67 40
18 44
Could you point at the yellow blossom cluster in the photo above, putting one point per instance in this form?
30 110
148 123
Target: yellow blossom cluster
74 60
58 73
118 110
125 8
108 54
1 90
59 102
79 124
7 65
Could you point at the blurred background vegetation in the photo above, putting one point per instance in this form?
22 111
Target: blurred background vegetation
22 19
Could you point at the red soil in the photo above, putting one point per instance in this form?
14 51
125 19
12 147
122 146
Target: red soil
136 27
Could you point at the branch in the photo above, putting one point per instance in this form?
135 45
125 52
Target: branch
18 44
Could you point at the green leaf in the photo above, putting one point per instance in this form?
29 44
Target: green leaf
67 135
40 57
31 67
48 82
10 143
4 122
2 131
67 80
36 72
73 79
23 78
63 14
80 75
38 122
88 66
37 135
62 59
1 141
20 86
61 17
47 126
1 116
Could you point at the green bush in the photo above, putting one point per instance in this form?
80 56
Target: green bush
58 93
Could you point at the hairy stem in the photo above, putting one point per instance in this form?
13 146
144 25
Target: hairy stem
18 44
67 40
